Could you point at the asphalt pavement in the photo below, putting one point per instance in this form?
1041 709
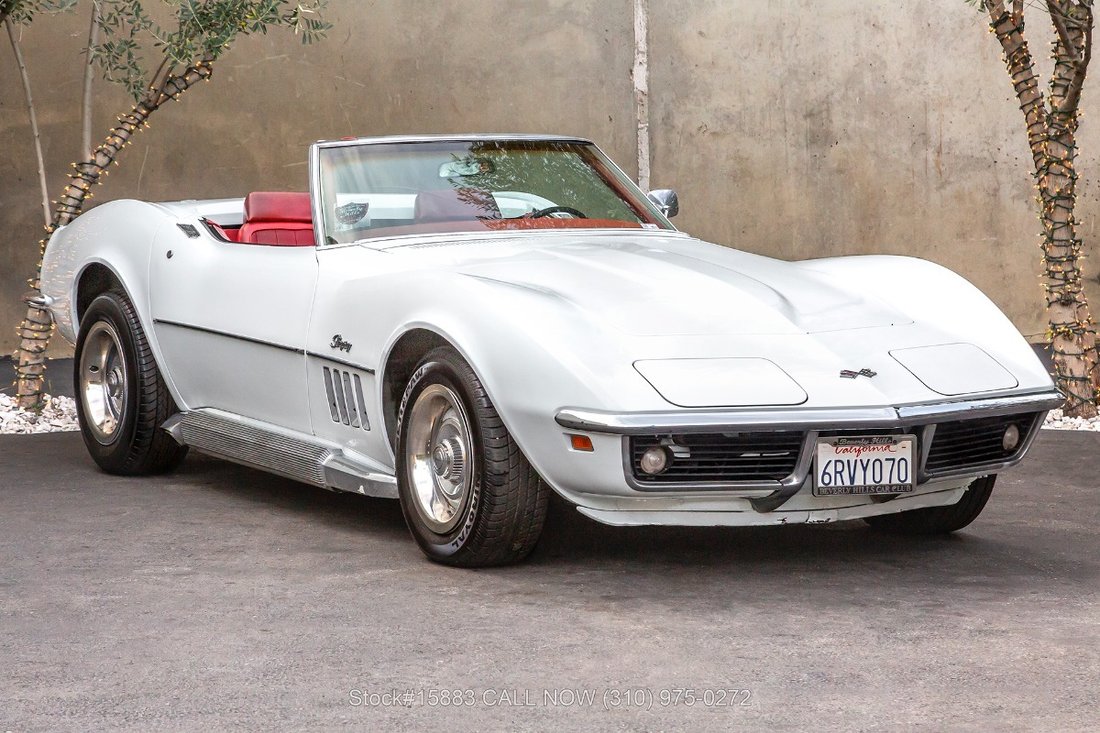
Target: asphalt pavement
221 598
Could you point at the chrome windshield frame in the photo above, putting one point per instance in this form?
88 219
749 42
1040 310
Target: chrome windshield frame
317 206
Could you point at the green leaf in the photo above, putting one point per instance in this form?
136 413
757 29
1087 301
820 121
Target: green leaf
135 47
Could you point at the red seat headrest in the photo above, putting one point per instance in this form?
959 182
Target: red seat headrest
277 206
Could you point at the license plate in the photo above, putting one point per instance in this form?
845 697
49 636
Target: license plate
880 464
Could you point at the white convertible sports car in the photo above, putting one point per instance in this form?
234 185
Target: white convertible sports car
468 322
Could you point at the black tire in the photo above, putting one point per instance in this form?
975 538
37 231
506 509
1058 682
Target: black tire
137 446
505 506
940 519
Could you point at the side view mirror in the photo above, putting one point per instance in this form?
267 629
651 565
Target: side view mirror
666 200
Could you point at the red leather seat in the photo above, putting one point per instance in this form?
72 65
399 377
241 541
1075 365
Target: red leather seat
279 218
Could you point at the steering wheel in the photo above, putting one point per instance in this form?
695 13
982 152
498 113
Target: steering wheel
557 209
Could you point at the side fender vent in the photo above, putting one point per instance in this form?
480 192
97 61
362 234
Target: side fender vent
345 398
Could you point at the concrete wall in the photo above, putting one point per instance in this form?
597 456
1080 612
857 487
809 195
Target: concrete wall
795 128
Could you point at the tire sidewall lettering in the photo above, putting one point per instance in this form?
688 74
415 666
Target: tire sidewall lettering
441 545
108 309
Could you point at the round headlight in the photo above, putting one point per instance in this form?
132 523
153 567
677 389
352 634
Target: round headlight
1011 438
654 460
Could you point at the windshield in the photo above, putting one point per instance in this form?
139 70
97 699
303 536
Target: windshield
388 189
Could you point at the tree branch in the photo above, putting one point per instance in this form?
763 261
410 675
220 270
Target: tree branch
1073 94
25 78
158 80
1058 18
1021 71
86 102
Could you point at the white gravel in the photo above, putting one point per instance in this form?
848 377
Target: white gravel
59 416
1055 421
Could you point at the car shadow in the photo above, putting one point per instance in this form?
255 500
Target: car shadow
337 509
574 547
569 536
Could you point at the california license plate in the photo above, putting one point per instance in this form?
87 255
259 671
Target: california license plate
879 464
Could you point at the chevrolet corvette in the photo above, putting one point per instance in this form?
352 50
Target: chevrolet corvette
468 323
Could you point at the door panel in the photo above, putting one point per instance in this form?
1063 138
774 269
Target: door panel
231 320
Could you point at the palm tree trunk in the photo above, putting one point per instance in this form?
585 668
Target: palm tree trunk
37 326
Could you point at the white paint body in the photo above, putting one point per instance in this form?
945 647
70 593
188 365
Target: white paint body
551 320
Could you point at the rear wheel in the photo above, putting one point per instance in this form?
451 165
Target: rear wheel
121 399
469 496
939 519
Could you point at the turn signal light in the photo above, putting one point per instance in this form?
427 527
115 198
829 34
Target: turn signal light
581 442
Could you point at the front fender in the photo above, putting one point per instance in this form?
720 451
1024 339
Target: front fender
533 352
936 296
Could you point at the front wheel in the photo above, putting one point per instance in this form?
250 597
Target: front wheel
468 494
121 399
939 519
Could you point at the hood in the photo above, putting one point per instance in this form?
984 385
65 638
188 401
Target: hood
665 286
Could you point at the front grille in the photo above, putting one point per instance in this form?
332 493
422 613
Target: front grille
970 443
719 459
713 458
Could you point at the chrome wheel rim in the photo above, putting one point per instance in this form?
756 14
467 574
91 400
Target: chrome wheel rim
104 388
439 458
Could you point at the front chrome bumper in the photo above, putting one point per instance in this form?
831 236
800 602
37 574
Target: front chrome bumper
732 517
769 495
821 418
